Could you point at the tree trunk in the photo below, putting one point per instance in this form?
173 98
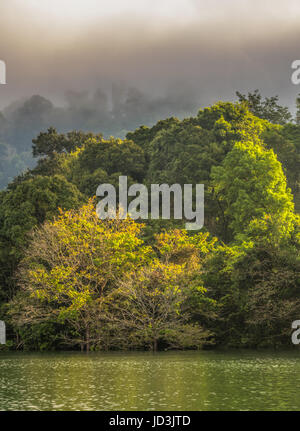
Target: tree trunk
155 345
87 339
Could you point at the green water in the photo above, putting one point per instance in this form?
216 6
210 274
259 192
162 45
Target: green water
146 381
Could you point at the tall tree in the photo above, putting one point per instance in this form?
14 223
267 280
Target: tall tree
268 109
252 195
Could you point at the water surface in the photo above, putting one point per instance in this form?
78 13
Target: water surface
211 380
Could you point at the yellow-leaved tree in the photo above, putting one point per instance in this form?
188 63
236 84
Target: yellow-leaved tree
154 304
70 268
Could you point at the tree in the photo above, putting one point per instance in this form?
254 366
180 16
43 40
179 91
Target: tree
256 289
71 266
252 195
273 298
23 206
268 109
285 141
298 110
148 309
51 142
144 135
113 156
225 280
153 304
31 117
102 161
185 151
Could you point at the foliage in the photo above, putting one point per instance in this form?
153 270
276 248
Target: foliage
252 196
23 206
74 260
269 109
71 280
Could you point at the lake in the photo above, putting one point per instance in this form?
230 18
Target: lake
205 380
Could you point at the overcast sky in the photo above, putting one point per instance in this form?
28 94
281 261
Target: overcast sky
208 48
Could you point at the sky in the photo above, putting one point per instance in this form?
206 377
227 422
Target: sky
200 49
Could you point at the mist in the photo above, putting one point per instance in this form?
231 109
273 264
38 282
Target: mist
110 67
207 48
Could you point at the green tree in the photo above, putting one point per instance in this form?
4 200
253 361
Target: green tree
153 304
298 110
252 195
23 206
51 142
70 268
256 289
269 109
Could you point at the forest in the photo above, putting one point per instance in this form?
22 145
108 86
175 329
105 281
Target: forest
69 280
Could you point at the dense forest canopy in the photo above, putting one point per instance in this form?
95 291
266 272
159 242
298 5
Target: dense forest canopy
70 279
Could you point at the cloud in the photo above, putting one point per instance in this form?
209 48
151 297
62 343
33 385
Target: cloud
206 48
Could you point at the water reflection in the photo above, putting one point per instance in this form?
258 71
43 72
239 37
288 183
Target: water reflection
144 381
